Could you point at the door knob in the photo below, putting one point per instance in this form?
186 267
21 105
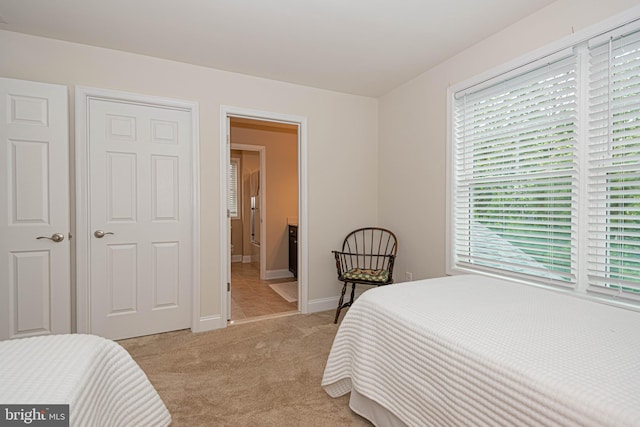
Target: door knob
100 234
56 237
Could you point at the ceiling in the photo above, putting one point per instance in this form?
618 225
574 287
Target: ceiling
363 47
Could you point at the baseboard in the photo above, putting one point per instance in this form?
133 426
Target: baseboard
236 258
277 274
209 323
322 304
246 259
331 303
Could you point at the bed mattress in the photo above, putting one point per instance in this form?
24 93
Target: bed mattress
473 350
97 378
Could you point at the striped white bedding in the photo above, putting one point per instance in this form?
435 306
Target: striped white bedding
97 378
472 350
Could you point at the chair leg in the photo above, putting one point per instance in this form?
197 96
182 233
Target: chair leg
353 292
344 289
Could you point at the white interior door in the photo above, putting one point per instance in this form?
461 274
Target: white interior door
34 210
140 166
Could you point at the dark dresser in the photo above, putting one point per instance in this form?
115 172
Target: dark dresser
293 250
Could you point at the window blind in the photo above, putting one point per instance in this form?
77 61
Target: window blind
233 189
515 172
614 166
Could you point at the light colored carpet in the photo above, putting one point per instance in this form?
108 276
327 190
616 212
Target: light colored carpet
260 374
287 290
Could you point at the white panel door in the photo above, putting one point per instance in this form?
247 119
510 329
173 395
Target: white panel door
34 210
140 218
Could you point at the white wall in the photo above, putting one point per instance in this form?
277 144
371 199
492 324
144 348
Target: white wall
342 194
413 129
405 193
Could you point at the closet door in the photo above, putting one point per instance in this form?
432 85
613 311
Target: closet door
34 213
140 217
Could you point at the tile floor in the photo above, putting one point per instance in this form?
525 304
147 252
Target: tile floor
252 297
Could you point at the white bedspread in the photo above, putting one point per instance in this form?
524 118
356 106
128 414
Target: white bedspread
472 350
97 378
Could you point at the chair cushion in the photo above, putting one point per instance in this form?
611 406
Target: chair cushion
367 274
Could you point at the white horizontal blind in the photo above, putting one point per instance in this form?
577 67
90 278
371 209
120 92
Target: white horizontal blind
614 167
233 189
515 173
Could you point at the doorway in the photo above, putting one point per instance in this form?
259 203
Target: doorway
247 211
265 156
273 227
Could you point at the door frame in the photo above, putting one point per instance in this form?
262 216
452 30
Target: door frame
261 150
82 234
227 111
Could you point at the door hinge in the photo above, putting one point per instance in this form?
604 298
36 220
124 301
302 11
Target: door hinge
228 286
228 213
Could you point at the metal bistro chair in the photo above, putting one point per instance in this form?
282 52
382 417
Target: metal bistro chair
367 258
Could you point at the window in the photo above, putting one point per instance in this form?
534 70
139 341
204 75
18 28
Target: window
516 173
546 170
234 192
614 165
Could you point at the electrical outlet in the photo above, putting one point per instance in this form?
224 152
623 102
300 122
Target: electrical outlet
409 276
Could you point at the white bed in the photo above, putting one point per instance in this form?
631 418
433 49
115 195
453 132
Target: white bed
473 350
97 378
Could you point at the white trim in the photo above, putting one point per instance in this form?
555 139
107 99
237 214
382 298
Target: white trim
225 223
265 317
323 304
262 151
227 111
582 279
247 259
331 303
507 75
449 259
207 323
236 258
624 28
82 238
303 228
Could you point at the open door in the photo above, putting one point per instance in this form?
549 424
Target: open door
228 251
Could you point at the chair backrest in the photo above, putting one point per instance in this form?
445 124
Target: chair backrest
370 248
